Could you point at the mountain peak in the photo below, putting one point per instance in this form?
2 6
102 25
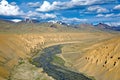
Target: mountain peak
103 26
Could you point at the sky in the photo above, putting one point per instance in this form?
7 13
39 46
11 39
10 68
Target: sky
68 11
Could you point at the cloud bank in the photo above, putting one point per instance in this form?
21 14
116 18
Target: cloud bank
32 4
57 5
9 9
117 7
32 14
77 20
98 9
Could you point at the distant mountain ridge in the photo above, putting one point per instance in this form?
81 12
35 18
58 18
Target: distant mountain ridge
107 27
58 24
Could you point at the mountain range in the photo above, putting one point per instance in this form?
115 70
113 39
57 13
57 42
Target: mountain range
101 26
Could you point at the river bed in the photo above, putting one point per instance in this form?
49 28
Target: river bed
58 72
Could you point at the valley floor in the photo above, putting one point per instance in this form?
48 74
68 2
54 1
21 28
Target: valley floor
17 49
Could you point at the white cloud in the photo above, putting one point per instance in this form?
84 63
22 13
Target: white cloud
34 14
100 15
113 23
36 4
97 9
78 20
46 16
90 2
46 6
16 20
9 9
84 2
117 7
57 5
108 15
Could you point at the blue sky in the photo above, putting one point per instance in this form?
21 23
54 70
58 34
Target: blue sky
69 11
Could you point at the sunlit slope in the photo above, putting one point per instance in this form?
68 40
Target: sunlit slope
102 61
99 59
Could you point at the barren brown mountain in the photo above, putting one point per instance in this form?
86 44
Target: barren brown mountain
89 51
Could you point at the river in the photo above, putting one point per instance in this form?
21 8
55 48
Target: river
45 60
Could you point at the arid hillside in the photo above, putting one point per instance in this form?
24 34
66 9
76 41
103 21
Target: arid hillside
19 43
102 60
99 59
14 47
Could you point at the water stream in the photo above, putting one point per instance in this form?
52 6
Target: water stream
45 60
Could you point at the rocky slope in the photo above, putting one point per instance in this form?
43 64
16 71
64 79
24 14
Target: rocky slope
101 60
97 58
